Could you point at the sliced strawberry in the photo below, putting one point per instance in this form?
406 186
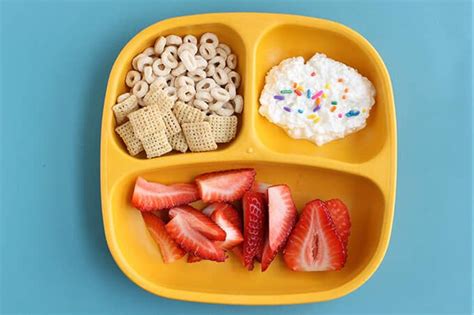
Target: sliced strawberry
192 258
225 186
200 222
229 220
238 252
209 209
170 251
314 244
192 241
281 215
340 216
268 255
148 196
260 187
254 220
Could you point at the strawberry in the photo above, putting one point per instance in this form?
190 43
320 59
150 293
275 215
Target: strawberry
340 216
314 244
254 218
229 220
200 222
260 187
148 196
209 209
281 215
238 252
225 186
192 258
192 241
268 255
170 251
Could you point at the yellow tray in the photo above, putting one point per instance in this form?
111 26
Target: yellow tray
360 169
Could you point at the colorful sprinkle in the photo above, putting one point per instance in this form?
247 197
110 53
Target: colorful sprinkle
311 116
363 110
286 91
327 86
294 85
279 97
340 80
313 74
352 113
344 97
298 92
316 120
333 108
340 115
318 101
308 93
300 111
287 109
316 108
319 93
300 88
324 95
334 103
346 90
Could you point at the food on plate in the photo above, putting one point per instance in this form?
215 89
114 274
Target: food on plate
321 100
267 225
180 81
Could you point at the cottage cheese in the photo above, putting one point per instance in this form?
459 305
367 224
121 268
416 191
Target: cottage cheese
321 100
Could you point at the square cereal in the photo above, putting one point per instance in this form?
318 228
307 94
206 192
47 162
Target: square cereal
121 110
187 114
178 142
172 126
223 128
146 121
199 136
125 131
159 98
156 144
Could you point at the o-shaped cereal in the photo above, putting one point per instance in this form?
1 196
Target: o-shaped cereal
132 78
225 110
234 77
238 103
220 76
135 60
184 81
148 74
160 69
225 48
232 61
188 60
200 104
149 52
197 75
220 94
122 97
169 80
218 62
190 39
173 40
168 58
186 93
144 61
160 44
186 46
179 70
171 92
209 38
207 51
140 89
140 102
227 70
215 106
200 61
204 96
230 88
159 84
221 53
210 70
205 85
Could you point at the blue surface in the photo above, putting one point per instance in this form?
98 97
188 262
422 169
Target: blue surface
55 60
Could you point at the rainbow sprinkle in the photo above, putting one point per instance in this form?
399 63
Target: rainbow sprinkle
298 92
286 91
287 109
340 80
311 116
294 85
316 120
344 97
319 94
313 74
334 103
346 90
339 115
363 110
324 95
327 86
300 111
308 93
316 108
279 97
333 108
352 113
318 101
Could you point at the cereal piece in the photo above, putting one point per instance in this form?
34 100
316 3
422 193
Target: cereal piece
218 62
159 84
132 78
146 121
187 46
199 136
209 38
186 93
207 51
174 40
225 48
215 106
225 110
122 97
205 96
224 129
140 89
160 45
234 77
232 61
221 52
159 68
171 92
187 114
148 74
200 61
156 144
169 57
188 60
122 109
184 81
210 70
179 70
205 85
133 144
238 103
220 94
159 98
135 60
178 142
172 126
220 76
197 75
190 39
230 88
144 61
200 104
149 52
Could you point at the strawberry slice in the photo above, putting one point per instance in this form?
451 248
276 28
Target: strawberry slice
192 241
260 187
281 215
192 258
314 244
254 218
170 251
340 216
225 186
228 219
238 252
200 222
148 196
209 209
268 255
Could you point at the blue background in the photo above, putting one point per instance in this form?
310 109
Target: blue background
55 61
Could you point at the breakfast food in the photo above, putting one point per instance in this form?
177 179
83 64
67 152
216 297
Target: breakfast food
321 100
180 80
268 225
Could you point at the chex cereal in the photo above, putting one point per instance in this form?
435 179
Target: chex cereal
172 126
159 98
186 114
199 136
223 128
122 109
156 144
178 142
146 121
134 145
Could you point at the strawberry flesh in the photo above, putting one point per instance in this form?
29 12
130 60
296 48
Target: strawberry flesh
281 215
192 258
200 222
229 220
340 216
254 218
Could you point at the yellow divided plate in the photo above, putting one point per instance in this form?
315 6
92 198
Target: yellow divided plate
360 169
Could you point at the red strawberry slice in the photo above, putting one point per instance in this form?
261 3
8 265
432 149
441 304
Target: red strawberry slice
254 220
170 251
229 220
192 258
238 252
268 255
225 186
340 216
314 244
192 241
260 187
209 209
281 215
148 196
200 222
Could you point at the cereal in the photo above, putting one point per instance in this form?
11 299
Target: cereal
159 68
132 78
200 62
201 104
179 70
225 48
190 39
168 57
234 77
197 75
174 40
238 103
156 144
185 113
148 74
224 129
232 61
205 96
178 142
220 76
135 60
225 110
184 81
209 38
144 61
188 60
171 92
199 136
160 99
122 97
186 93
189 47
210 70
221 52
146 121
149 52
159 84
205 85
218 62
207 51
230 88
122 109
220 94
133 144
160 45
140 89
172 126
